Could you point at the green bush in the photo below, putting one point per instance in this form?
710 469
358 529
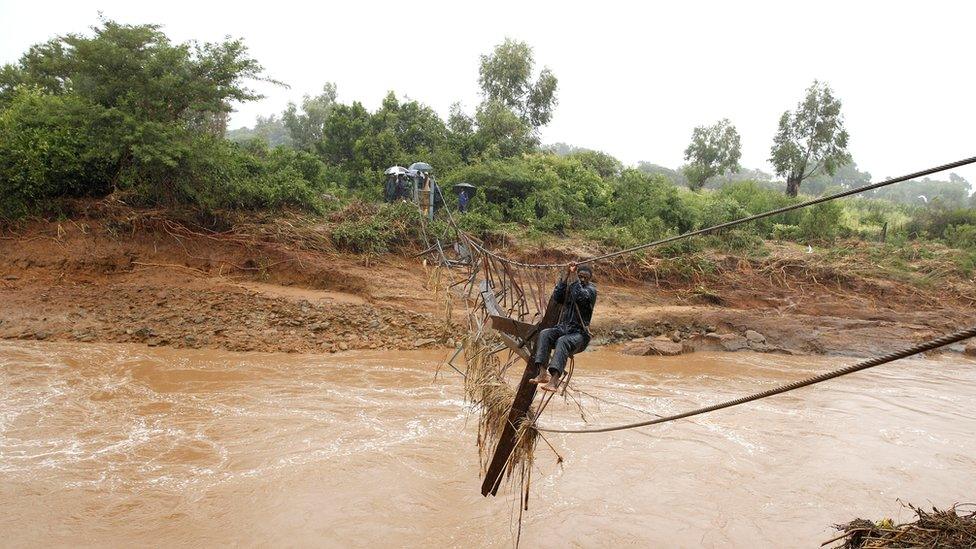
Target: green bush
786 232
366 228
613 236
50 146
934 222
820 223
961 236
755 199
736 240
478 223
638 195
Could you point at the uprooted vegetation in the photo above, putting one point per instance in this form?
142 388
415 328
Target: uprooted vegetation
276 248
103 251
948 529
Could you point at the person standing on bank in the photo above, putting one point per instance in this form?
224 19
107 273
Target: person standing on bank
571 335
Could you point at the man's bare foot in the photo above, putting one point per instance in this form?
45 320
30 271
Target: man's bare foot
552 386
540 379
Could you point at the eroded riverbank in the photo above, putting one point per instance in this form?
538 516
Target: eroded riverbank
100 278
126 444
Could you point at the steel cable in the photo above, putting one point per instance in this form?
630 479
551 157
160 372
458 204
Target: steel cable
876 361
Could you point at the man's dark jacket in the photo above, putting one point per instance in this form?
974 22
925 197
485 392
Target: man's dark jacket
576 318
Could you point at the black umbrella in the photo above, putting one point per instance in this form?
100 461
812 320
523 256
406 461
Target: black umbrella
421 167
462 186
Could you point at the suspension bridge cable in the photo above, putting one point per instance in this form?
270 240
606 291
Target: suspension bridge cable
863 365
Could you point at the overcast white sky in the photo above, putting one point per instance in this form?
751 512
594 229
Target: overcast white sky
634 77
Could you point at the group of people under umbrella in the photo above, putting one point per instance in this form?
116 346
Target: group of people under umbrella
417 184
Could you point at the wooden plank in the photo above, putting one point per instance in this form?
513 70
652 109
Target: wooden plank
523 397
512 327
506 443
516 347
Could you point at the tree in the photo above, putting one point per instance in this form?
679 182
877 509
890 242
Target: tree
306 127
844 177
157 107
501 133
714 150
461 133
811 138
505 78
929 191
675 177
605 165
50 145
602 163
269 129
345 125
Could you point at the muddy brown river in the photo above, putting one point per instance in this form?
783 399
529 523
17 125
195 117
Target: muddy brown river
127 446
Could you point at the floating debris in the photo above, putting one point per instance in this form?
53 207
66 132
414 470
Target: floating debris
951 528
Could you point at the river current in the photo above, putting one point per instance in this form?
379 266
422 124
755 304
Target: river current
124 445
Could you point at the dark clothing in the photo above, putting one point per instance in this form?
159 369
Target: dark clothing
567 343
402 190
435 192
584 299
463 201
570 335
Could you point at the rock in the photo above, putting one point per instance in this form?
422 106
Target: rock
759 346
732 342
755 337
658 346
41 335
144 332
676 337
713 336
343 346
970 348
11 277
422 342
374 324
83 335
318 326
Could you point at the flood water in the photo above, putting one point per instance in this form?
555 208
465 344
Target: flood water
126 445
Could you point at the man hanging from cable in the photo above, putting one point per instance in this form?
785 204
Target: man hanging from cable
577 294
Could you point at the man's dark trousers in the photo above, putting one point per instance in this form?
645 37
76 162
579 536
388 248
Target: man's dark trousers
566 341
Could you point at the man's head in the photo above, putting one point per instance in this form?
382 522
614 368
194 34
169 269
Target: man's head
585 273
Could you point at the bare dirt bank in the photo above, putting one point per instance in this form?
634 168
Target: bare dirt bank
95 278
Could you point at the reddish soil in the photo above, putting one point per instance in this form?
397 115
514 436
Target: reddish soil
95 278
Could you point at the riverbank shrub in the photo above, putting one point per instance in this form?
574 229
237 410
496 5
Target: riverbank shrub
368 228
126 110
